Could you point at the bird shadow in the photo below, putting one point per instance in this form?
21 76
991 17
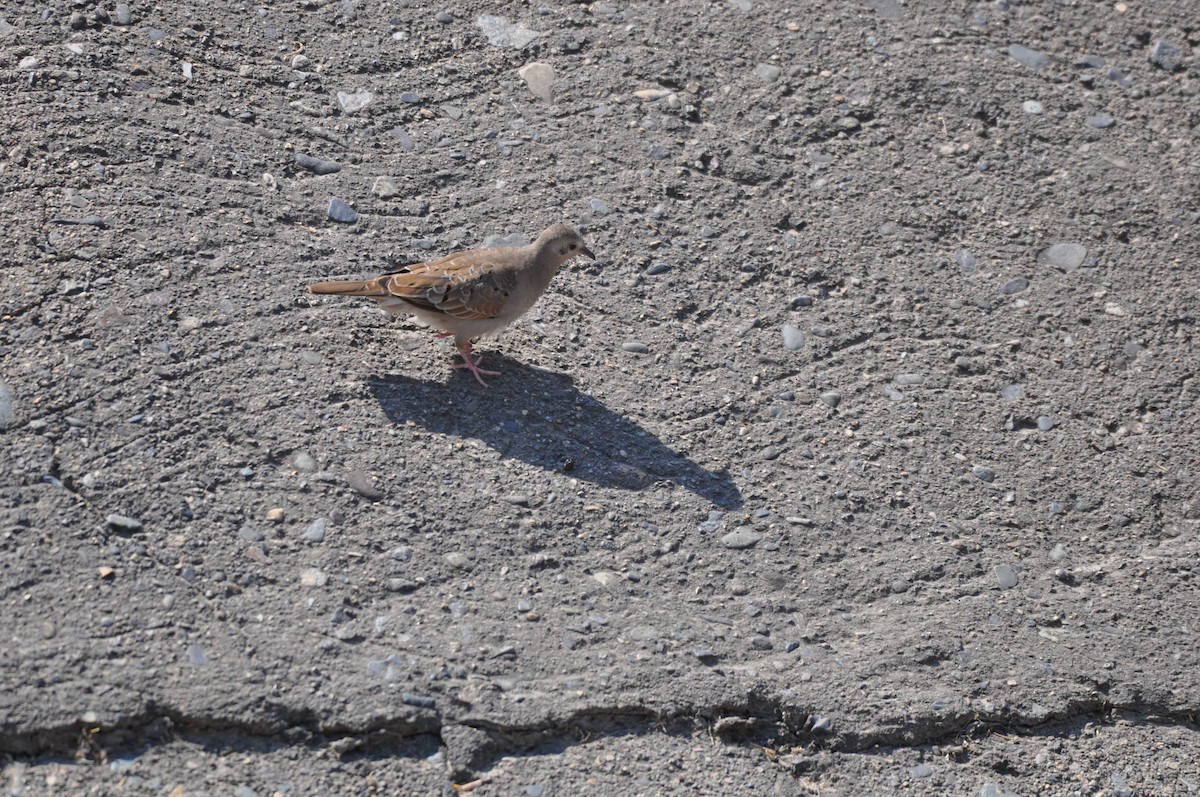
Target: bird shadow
541 418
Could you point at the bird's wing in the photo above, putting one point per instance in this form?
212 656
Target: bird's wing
465 285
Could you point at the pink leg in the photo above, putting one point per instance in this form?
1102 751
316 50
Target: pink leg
472 364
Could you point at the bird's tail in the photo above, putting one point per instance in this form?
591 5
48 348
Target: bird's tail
350 288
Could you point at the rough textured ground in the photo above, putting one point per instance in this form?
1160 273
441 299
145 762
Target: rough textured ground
864 459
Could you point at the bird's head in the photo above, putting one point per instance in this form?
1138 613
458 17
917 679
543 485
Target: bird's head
564 242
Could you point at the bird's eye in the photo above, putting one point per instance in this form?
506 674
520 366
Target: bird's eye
573 247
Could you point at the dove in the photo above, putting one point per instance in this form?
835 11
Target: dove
470 293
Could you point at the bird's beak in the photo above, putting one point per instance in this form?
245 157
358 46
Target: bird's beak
588 252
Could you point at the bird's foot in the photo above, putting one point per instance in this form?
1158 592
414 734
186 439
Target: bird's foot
472 364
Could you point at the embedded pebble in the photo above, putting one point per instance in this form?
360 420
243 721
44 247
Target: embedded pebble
1165 55
1118 77
892 393
517 499
831 398
304 462
909 379
1012 392
539 78
1014 285
123 523
635 347
1045 423
385 188
741 537
361 483
340 212
1101 121
983 473
921 771
502 33
966 261
444 17
1032 107
1006 577
6 405
405 139
316 165
1030 58
313 577
599 207
123 14
276 514
767 73
251 535
1066 257
655 269
352 101
315 532
411 97
196 656
793 338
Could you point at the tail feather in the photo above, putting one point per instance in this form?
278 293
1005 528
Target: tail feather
350 288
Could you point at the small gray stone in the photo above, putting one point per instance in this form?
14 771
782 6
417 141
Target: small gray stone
304 462
1006 577
539 79
406 140
1030 58
78 21
793 338
1118 77
251 535
315 532
6 29
340 212
966 261
767 73
921 770
502 33
635 347
444 17
123 14
983 473
123 524
361 483
1013 392
6 405
517 499
316 165
909 379
1045 423
1101 121
352 101
655 269
1065 257
411 97
1165 55
1032 107
741 537
821 724
196 656
599 207
831 398
1014 285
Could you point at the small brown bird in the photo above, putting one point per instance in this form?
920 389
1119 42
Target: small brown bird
471 293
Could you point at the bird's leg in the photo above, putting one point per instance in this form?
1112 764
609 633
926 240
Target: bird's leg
442 334
472 364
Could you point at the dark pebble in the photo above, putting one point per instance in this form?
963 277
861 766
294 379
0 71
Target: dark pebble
6 405
1030 58
361 483
342 213
444 17
410 97
123 523
983 473
1014 285
420 701
1165 55
658 268
316 165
